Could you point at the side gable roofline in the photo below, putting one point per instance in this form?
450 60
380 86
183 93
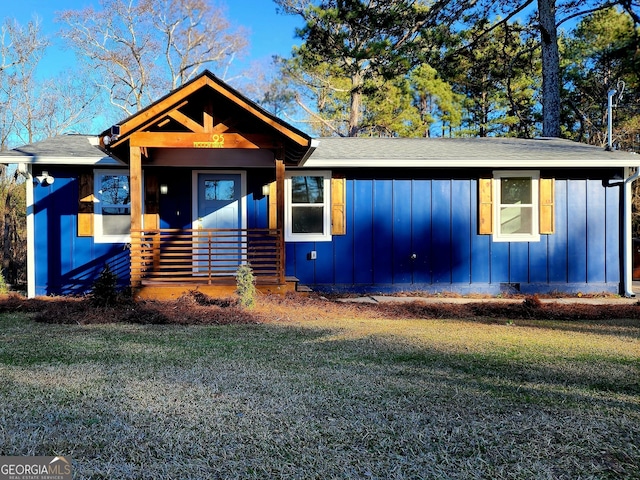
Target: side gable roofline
206 78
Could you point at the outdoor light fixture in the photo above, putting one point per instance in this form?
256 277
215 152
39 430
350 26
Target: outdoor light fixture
45 178
164 189
113 135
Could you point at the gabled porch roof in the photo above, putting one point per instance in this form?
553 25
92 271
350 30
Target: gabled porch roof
207 113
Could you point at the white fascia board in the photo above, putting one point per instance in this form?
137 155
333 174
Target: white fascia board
106 161
488 163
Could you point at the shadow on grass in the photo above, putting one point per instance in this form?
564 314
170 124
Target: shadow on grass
615 320
254 394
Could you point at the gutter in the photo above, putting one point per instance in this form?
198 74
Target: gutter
313 144
627 246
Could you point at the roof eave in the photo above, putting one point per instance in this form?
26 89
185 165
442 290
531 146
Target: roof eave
40 160
476 163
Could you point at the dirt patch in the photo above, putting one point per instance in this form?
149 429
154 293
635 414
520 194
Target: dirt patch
198 309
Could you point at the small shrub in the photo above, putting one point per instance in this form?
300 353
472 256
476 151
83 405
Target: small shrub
104 291
246 288
4 288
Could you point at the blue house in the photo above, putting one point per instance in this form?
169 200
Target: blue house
177 196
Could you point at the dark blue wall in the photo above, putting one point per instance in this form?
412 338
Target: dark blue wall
424 213
66 264
420 233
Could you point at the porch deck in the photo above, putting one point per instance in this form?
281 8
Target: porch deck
166 263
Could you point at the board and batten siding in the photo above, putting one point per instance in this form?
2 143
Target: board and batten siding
67 263
423 234
402 234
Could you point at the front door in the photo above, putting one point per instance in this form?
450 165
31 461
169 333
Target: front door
218 217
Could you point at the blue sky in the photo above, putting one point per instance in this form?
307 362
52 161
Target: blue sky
271 33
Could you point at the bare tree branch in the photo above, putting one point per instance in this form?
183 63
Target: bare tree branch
138 50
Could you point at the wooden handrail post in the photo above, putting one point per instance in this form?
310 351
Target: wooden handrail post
135 182
156 250
210 255
280 214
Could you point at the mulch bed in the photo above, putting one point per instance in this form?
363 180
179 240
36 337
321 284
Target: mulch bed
198 309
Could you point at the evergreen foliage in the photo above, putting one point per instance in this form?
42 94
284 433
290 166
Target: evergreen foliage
246 288
104 291
4 288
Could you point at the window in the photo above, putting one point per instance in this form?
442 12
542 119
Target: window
516 206
219 189
112 206
308 206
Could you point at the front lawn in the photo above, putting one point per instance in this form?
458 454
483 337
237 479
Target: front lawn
325 392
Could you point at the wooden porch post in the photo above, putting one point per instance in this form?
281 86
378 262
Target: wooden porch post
280 211
135 183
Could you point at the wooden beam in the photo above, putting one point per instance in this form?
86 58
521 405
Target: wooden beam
158 121
207 117
299 139
201 140
173 101
280 212
220 128
135 183
225 125
181 118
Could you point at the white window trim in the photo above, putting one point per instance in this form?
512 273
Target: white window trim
534 236
289 236
99 236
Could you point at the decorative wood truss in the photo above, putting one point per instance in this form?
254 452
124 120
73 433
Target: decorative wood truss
205 113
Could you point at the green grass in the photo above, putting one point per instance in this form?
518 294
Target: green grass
330 398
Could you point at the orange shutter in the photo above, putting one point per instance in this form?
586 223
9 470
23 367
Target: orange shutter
547 207
485 203
273 206
85 204
338 206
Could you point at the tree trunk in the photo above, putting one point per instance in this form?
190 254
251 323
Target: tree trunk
550 69
356 102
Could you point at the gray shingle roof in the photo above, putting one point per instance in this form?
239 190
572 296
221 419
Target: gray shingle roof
62 149
376 152
462 152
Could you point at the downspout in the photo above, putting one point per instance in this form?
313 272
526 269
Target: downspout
27 172
610 119
627 244
312 148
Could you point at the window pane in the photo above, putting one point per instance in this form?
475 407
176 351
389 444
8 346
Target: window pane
114 223
514 191
307 219
115 189
516 220
307 189
219 189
